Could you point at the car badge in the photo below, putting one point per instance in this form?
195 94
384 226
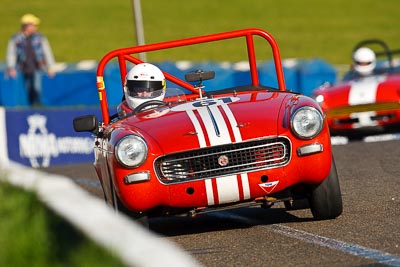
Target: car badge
223 160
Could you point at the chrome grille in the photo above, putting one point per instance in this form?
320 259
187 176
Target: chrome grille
223 160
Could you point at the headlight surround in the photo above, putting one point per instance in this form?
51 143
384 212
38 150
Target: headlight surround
131 151
306 122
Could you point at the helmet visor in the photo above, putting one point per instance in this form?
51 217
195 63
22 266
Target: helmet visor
365 63
145 89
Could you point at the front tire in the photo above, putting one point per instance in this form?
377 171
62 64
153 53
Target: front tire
119 207
326 198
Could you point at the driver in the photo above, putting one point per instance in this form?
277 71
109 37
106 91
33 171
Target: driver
364 61
143 83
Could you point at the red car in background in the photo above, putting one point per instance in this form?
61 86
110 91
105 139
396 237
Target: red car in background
364 105
205 149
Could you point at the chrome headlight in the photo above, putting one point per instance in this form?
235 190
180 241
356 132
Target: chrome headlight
131 151
306 122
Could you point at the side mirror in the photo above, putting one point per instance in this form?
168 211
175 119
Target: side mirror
87 123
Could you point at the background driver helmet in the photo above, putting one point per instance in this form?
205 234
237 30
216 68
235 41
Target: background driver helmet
364 60
144 82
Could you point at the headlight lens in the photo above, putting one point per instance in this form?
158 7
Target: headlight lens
131 151
307 122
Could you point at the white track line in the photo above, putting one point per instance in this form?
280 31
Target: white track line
353 249
135 245
360 251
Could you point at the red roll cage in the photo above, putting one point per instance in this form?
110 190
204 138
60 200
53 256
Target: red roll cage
124 54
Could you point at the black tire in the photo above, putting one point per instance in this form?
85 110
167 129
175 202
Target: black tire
119 207
326 198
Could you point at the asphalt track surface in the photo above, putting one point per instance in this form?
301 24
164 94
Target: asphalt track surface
366 234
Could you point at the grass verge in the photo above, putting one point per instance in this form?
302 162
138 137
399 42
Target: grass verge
88 29
33 235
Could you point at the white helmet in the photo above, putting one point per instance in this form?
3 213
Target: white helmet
364 60
144 82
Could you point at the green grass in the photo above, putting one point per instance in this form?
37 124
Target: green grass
32 235
87 29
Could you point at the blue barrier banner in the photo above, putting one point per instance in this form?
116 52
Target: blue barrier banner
76 87
43 138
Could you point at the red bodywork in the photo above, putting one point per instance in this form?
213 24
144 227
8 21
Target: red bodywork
370 103
254 115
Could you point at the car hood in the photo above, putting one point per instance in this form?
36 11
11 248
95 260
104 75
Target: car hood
368 90
210 122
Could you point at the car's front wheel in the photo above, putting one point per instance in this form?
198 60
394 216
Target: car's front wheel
119 207
326 198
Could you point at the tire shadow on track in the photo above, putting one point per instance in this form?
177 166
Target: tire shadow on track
221 221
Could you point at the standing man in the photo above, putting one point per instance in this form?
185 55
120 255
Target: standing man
29 52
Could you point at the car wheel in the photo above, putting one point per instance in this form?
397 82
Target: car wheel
326 198
119 207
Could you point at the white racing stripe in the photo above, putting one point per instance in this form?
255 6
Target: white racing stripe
224 137
227 187
233 123
217 131
364 119
197 128
245 186
228 190
209 191
238 138
363 91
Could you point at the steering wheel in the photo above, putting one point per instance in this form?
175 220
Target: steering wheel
147 104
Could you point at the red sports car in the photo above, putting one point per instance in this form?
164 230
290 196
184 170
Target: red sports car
364 104
204 149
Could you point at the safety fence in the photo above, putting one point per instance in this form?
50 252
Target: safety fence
75 84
